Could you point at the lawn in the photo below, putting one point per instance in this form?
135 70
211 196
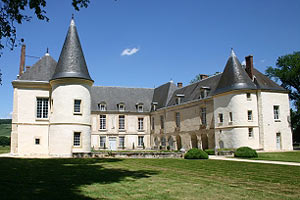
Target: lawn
4 149
5 130
291 156
145 179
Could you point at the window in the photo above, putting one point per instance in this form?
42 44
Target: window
37 141
42 107
121 107
230 117
221 118
141 141
103 142
163 141
102 122
102 106
250 132
177 116
140 123
178 100
162 125
77 106
140 108
121 122
203 116
153 124
76 141
276 112
248 96
122 141
250 117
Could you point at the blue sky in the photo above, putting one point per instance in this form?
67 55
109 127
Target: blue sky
165 39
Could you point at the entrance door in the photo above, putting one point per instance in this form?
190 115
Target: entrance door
278 141
112 143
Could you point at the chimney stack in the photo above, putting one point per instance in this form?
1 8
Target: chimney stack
249 66
203 76
179 84
22 60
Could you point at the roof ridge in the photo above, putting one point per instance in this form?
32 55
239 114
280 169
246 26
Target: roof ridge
127 87
202 80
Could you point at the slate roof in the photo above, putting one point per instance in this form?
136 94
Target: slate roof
264 83
42 70
112 96
163 94
234 77
71 63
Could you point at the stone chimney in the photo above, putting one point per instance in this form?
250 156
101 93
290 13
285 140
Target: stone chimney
27 68
203 76
22 60
249 66
179 84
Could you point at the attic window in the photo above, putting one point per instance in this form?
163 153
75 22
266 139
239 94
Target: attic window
179 98
102 106
139 107
154 105
204 92
121 106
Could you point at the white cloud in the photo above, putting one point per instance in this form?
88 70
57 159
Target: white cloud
244 62
129 52
263 60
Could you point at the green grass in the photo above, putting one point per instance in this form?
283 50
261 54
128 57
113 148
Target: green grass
4 149
291 156
5 130
145 179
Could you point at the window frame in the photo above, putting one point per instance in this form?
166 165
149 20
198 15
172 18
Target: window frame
44 113
162 122
102 122
102 106
230 117
177 119
121 105
276 116
121 125
221 118
140 141
76 142
140 123
248 96
37 139
102 142
75 112
203 116
250 132
250 114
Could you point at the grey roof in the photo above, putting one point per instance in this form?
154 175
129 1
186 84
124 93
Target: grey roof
71 63
112 96
192 92
163 94
234 77
42 70
264 83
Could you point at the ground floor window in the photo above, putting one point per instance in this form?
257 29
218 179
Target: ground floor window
122 141
103 142
141 141
250 133
76 141
163 141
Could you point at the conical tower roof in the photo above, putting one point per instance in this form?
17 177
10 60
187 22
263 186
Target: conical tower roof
234 77
71 63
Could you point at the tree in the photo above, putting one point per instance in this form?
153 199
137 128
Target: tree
11 13
287 71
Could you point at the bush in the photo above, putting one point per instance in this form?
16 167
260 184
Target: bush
245 152
196 154
210 151
4 141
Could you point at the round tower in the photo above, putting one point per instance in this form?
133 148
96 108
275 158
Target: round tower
70 127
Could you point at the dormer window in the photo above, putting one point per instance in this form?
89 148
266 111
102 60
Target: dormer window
140 107
102 106
204 92
179 98
121 107
154 105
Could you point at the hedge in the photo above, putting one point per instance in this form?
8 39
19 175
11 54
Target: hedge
245 152
196 154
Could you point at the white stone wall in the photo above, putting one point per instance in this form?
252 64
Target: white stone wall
236 133
25 126
64 122
270 126
130 132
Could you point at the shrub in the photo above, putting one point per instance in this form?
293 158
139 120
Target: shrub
4 141
210 151
245 152
196 154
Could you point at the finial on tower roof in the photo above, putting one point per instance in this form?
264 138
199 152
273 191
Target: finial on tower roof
72 21
47 52
72 15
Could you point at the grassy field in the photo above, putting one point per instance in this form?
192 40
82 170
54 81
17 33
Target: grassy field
145 179
5 130
291 156
4 149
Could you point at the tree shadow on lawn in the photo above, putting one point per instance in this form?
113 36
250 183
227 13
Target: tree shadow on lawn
58 178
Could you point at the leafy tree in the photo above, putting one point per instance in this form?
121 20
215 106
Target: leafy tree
287 71
12 13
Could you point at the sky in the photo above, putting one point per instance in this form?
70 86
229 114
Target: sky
146 43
